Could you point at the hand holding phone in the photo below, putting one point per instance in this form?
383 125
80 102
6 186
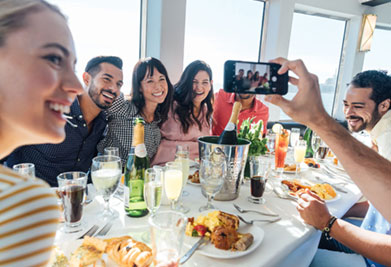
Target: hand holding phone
245 77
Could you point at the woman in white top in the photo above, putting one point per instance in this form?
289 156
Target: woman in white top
37 84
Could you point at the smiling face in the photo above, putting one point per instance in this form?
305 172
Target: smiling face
154 88
201 87
37 79
104 87
360 111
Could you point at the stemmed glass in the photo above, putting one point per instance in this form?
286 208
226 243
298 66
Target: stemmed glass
111 151
315 143
173 181
299 154
295 136
182 155
105 174
212 176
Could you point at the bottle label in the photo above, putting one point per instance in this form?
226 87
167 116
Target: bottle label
126 196
230 127
140 151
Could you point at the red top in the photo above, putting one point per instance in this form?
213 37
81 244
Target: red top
222 109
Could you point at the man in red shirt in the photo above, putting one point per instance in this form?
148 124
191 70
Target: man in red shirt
251 107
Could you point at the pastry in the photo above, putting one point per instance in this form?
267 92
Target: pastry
224 237
88 253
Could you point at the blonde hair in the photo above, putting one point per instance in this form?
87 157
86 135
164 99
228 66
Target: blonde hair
14 12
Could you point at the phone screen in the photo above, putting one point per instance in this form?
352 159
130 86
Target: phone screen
254 78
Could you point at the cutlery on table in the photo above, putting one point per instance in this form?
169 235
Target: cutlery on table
90 232
282 194
256 211
192 250
105 229
258 220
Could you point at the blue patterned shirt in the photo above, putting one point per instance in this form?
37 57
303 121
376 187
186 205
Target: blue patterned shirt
74 154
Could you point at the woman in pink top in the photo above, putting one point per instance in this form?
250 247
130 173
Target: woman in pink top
190 115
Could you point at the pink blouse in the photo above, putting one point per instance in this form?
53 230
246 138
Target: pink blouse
172 135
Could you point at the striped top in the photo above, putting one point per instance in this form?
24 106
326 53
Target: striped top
28 220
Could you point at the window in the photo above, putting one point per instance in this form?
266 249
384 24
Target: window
318 42
104 28
379 57
219 30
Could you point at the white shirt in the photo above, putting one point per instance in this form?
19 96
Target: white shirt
381 135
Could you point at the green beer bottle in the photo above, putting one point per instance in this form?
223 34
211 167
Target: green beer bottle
309 153
136 165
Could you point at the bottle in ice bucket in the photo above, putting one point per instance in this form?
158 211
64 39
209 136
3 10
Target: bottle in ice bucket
136 165
229 135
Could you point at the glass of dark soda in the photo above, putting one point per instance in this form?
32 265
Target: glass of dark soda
71 188
259 171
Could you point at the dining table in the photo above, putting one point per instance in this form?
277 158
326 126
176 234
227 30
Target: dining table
287 242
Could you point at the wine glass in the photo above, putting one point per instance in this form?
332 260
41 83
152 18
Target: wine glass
315 143
111 151
295 136
105 174
182 155
27 169
173 181
299 154
212 175
152 190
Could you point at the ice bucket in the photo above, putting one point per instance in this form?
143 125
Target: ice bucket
236 156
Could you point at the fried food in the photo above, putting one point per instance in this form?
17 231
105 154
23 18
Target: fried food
224 237
126 251
88 253
324 191
244 242
295 185
290 168
195 178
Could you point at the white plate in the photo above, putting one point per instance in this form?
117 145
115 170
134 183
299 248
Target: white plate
209 249
337 197
193 164
196 184
286 190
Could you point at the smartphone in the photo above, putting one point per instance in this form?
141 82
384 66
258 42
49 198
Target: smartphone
254 78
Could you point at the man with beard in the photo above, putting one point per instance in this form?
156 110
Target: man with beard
251 108
366 107
87 123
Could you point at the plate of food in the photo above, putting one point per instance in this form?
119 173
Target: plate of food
227 240
108 251
325 191
291 168
194 178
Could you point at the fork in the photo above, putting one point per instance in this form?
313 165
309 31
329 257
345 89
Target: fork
256 211
258 220
90 232
105 229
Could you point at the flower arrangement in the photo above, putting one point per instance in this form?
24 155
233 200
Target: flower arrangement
253 132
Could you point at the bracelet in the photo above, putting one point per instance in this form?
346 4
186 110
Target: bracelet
327 228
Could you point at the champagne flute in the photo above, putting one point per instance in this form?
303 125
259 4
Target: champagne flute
173 181
299 154
315 143
105 174
212 176
295 136
182 155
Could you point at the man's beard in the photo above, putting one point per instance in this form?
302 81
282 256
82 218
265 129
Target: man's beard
366 125
93 93
247 96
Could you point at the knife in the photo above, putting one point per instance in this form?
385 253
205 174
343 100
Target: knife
105 229
192 250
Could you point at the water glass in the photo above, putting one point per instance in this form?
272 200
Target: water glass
152 190
71 187
26 169
259 174
315 142
167 232
212 176
106 173
111 151
173 181
182 155
271 139
299 154
295 136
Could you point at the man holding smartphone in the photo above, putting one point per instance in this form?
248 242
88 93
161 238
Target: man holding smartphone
251 108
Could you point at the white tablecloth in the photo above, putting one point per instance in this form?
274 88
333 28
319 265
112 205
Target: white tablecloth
288 242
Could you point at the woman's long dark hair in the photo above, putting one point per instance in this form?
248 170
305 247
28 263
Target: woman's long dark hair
184 96
143 67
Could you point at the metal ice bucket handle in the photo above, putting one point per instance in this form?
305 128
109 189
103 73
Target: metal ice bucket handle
218 152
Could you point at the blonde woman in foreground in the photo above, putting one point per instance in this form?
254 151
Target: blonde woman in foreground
37 84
